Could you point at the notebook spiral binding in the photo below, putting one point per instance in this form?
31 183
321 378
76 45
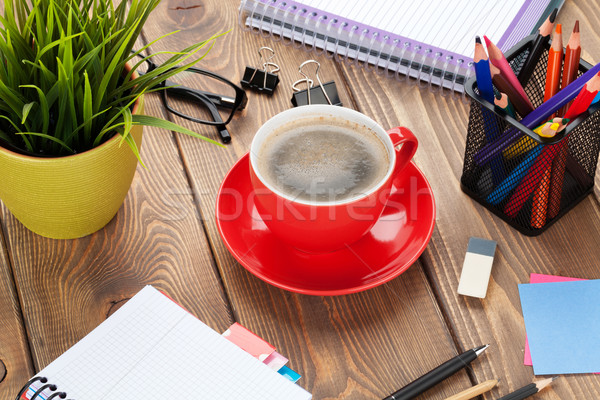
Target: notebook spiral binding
393 57
39 386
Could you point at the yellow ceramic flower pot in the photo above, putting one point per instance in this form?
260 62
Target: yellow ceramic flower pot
73 196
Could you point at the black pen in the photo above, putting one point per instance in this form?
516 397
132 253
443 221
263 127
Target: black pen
437 375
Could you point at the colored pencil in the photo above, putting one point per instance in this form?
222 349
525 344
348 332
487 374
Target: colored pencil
482 72
530 182
486 89
584 99
540 202
475 390
555 55
528 390
571 63
504 103
517 174
538 47
540 114
540 197
498 59
526 143
502 83
580 104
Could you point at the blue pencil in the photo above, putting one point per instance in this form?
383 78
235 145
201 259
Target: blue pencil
515 177
482 72
486 90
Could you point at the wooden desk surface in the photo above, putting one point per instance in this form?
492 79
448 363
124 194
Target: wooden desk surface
359 346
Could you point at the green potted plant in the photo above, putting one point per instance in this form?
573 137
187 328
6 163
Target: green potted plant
69 99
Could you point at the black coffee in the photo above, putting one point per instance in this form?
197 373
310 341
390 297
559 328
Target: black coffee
326 163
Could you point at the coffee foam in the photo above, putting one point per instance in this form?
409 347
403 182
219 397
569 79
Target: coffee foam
323 160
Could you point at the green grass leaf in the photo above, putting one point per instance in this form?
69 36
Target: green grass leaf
26 109
148 120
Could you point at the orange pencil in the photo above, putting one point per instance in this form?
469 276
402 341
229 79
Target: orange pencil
555 55
580 104
572 56
540 202
540 197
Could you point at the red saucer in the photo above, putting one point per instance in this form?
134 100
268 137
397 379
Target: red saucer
387 250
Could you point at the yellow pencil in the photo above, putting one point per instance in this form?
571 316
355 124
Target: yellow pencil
475 390
547 129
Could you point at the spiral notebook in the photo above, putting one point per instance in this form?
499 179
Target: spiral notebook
430 41
151 348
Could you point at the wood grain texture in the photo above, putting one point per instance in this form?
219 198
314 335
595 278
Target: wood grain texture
15 359
361 346
69 287
569 248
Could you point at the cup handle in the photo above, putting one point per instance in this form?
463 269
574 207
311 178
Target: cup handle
403 136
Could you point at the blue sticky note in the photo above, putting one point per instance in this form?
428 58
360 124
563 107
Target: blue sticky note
289 374
562 320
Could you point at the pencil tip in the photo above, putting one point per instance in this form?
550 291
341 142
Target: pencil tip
487 41
576 27
559 28
565 120
477 39
498 95
553 15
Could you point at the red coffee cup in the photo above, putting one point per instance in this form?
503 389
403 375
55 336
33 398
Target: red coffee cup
324 226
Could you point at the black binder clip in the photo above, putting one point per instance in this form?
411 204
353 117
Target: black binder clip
322 94
262 80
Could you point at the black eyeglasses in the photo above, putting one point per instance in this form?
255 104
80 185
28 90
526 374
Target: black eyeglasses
201 96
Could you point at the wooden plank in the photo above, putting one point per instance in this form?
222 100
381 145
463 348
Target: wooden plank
15 359
357 346
569 248
68 287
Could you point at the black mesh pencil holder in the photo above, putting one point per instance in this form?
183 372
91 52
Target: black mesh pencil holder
531 181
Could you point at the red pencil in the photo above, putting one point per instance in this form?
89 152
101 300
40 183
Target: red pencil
498 59
555 55
571 64
537 170
580 104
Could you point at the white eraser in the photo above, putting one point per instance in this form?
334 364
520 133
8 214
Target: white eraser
477 268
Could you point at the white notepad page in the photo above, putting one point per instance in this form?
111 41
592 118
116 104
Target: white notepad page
447 24
153 349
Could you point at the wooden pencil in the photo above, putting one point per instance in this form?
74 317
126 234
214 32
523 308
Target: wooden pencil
555 55
505 86
497 58
475 390
539 209
482 72
533 177
571 63
504 103
538 47
528 390
580 104
486 90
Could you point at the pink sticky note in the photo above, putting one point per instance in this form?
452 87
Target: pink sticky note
275 361
540 278
249 342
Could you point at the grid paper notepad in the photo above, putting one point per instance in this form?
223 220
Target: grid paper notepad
430 39
151 348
